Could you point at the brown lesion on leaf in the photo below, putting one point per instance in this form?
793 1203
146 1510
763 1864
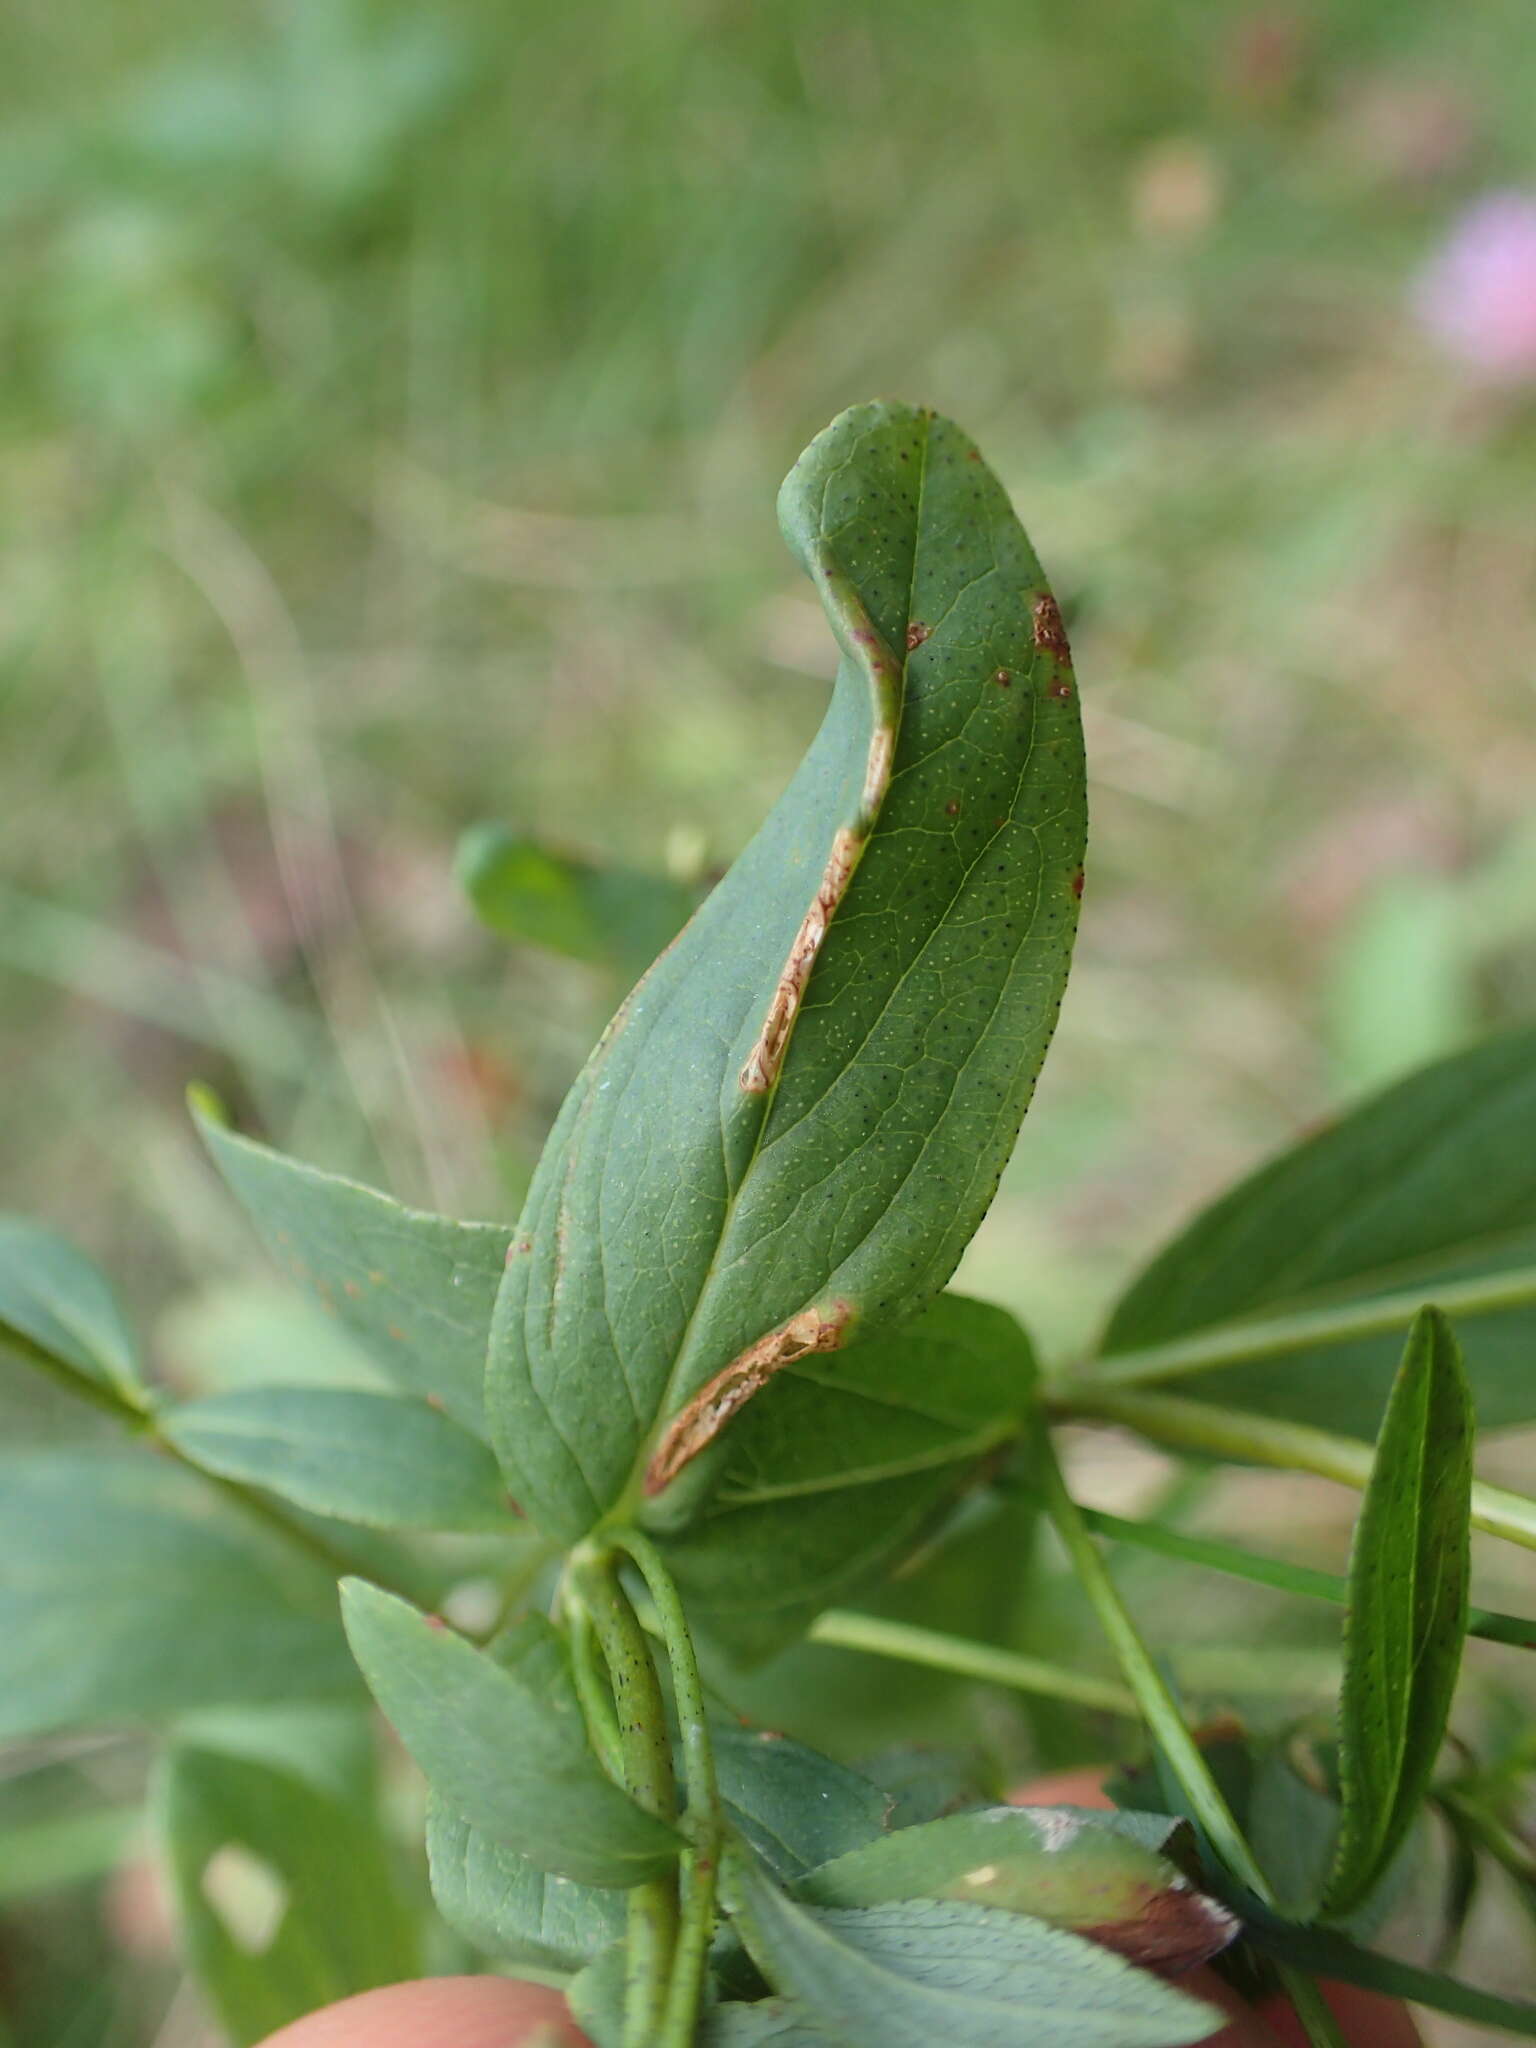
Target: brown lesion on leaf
1050 633
1175 1929
701 1421
917 633
763 1062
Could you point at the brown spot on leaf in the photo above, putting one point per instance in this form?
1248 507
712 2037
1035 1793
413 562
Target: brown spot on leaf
1003 677
973 455
951 809
1061 690
917 633
435 1621
1175 1929
1050 633
1077 883
397 1333
701 1421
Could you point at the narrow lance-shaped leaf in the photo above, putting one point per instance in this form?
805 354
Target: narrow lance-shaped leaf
417 1289
507 1754
1407 1618
797 1120
1428 1185
53 1300
362 1457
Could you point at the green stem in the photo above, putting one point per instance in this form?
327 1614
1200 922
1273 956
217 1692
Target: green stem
1242 1343
844 1630
137 1415
1184 1424
592 1690
645 1758
1158 1707
1217 1555
704 1824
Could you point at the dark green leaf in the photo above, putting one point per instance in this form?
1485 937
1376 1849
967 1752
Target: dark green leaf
911 1974
1098 1874
798 1119
1407 1616
924 1783
1433 1182
834 1468
127 1590
1335 1956
52 1299
506 1754
361 1457
510 1908
416 1289
285 1892
612 916
796 1807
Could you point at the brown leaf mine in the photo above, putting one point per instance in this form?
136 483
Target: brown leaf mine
762 1064
701 1421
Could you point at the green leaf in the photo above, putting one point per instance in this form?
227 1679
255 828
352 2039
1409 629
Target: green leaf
361 1457
596 1998
1428 1186
1329 1954
417 1289
794 1806
610 916
910 1974
127 1590
285 1893
1407 1618
834 1469
765 2023
65 1849
505 1753
1099 1874
795 1123
510 1908
53 1300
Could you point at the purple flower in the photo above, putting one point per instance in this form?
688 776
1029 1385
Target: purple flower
1477 296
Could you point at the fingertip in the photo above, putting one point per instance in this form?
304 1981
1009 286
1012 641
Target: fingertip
441 2012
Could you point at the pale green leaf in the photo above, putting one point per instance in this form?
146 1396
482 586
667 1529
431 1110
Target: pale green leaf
509 1907
417 1289
129 1591
360 1457
54 1300
609 915
285 1893
797 1120
910 1974
1407 1618
1432 1183
1101 1874
511 1758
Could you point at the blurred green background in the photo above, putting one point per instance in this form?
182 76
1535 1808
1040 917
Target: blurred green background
394 402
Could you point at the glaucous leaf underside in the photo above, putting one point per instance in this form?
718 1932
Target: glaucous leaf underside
797 1119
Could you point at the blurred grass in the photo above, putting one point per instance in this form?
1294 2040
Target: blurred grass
394 404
